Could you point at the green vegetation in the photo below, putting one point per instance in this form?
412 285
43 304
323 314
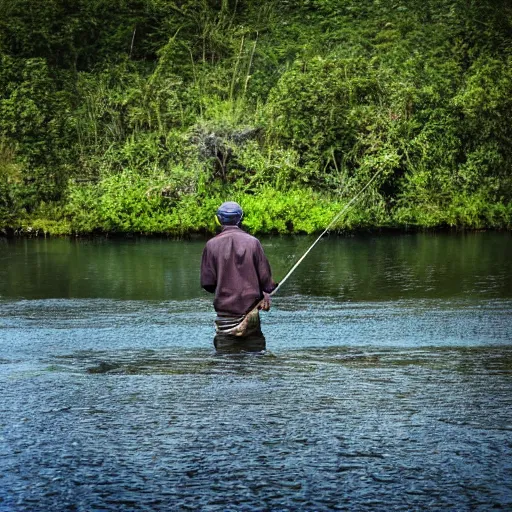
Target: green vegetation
129 116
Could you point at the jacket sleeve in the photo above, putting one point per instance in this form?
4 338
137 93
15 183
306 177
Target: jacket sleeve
267 284
208 272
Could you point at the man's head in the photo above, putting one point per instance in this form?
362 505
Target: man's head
230 214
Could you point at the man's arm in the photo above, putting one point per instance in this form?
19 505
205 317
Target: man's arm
208 272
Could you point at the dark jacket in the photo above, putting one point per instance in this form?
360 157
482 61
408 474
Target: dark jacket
235 268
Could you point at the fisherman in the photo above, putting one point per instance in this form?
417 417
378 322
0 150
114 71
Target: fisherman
235 268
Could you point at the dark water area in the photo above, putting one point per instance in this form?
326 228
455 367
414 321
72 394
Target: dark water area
386 383
376 268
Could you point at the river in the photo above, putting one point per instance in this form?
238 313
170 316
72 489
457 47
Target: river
386 383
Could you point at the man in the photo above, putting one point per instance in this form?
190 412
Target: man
235 268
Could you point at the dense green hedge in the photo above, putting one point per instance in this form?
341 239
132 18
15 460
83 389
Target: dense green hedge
129 116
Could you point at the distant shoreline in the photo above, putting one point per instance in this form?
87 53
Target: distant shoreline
12 234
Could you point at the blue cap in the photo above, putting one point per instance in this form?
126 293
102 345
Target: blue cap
230 213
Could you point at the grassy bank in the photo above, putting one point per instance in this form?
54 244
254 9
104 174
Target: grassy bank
296 211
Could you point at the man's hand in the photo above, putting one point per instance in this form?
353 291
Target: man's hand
266 301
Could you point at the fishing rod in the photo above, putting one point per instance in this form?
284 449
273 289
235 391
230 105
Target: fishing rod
333 221
240 328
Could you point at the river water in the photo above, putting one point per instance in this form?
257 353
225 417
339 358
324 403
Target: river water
386 383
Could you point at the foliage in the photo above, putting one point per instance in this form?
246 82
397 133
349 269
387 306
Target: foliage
293 211
129 116
10 209
128 202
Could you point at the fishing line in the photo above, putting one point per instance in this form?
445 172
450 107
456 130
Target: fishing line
336 217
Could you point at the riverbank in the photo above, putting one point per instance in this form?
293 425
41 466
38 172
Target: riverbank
292 109
289 221
137 210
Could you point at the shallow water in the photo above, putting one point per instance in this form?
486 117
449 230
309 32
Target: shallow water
386 384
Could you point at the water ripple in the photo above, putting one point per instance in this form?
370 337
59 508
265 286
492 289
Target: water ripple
112 405
316 429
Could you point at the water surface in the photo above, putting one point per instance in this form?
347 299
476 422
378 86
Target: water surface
386 384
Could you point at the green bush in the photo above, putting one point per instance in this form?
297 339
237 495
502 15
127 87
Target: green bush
130 116
129 202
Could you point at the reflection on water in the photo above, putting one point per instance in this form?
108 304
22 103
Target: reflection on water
355 269
385 382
